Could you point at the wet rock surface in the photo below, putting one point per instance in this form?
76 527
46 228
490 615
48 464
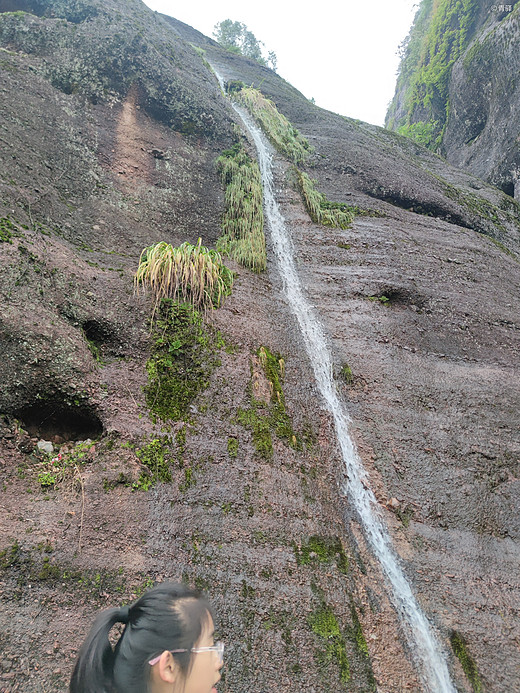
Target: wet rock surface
422 309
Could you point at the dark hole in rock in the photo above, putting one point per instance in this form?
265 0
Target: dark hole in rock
508 188
425 208
102 339
96 332
55 420
398 296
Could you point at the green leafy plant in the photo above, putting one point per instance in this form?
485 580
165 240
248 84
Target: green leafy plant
6 230
243 236
189 273
54 471
282 134
155 458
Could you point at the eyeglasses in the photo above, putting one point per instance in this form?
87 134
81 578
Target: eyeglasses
217 647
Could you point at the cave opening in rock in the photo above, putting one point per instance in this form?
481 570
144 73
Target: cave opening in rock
58 422
508 188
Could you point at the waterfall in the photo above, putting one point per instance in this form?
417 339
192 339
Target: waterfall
429 658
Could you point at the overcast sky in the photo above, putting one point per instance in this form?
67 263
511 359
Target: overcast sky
344 55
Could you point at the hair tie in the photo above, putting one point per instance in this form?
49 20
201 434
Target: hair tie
124 614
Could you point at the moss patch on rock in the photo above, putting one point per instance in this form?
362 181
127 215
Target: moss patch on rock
469 667
262 418
184 354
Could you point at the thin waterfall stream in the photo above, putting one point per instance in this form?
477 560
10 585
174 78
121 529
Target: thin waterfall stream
430 660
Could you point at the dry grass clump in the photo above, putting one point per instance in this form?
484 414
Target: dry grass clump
243 236
282 134
322 211
189 273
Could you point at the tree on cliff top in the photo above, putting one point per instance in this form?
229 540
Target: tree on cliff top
236 37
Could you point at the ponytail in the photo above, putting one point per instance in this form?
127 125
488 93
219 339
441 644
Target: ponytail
93 672
168 617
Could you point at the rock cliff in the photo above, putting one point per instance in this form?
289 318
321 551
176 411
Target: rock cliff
458 89
111 123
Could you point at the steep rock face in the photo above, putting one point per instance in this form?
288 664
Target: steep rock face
420 303
458 91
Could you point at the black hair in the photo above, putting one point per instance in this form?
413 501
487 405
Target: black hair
168 617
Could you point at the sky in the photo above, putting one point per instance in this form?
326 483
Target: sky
341 54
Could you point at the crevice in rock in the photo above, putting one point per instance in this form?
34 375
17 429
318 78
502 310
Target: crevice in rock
508 188
53 419
429 209
397 296
97 334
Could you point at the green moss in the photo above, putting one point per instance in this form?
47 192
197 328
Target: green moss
155 457
264 419
346 374
6 230
362 648
469 667
189 480
256 421
332 648
232 447
184 355
322 549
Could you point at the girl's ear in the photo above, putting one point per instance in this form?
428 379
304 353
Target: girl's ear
167 668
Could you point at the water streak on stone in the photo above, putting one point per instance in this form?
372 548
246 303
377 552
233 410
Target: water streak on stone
429 657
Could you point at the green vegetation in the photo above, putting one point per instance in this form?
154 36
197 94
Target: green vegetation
282 134
53 472
243 221
261 418
332 650
35 565
321 549
232 447
362 647
421 132
321 210
154 456
183 357
6 230
346 374
190 273
469 667
439 36
237 38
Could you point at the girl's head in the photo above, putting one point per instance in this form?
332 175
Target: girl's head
163 648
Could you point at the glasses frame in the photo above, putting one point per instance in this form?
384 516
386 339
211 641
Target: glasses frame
218 648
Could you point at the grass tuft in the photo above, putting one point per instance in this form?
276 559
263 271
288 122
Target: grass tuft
243 236
322 211
282 134
189 274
